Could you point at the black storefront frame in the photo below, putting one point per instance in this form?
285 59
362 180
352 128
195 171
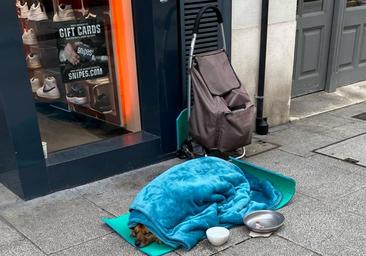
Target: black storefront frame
23 168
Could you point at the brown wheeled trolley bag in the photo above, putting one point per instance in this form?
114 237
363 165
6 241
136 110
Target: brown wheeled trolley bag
222 116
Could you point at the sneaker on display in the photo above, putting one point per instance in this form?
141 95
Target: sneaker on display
35 84
77 95
49 90
33 61
37 12
99 81
90 16
29 37
102 104
23 10
64 13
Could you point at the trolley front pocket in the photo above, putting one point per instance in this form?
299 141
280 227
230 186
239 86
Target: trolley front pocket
236 128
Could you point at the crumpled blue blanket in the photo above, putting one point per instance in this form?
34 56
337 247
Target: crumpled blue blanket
182 203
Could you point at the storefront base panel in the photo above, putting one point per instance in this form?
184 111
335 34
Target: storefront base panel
87 163
125 153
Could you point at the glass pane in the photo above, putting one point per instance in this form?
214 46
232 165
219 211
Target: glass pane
355 3
69 50
310 6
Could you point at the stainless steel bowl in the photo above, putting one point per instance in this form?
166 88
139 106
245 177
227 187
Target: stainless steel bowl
265 221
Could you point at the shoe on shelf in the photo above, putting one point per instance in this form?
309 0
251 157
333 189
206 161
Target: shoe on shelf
33 61
29 37
90 16
37 12
77 95
49 90
35 84
102 104
64 13
23 10
99 81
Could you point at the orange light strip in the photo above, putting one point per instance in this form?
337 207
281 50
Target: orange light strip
125 60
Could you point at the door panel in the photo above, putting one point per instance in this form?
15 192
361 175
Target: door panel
314 22
312 45
351 62
312 6
347 52
363 47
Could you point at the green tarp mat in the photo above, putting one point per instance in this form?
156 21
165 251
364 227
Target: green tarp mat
120 225
284 184
182 127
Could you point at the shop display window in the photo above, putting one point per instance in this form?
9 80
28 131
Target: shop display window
69 48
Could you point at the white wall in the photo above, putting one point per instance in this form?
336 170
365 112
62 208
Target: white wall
280 52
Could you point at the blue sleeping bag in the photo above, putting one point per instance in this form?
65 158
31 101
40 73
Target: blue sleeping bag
182 203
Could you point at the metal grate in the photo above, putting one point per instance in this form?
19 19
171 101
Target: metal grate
208 37
361 116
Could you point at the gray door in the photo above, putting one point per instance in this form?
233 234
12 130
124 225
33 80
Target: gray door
351 50
314 23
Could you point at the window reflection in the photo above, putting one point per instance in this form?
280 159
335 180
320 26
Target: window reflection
309 6
355 3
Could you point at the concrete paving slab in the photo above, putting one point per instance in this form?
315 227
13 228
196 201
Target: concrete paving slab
357 169
204 248
320 123
316 103
130 180
315 177
115 194
354 202
353 149
273 245
258 146
20 248
111 245
58 221
273 130
7 197
350 111
298 141
351 252
114 201
322 228
346 131
280 127
7 234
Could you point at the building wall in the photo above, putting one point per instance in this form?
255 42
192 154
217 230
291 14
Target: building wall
280 52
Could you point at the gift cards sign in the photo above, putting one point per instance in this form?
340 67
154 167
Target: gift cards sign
82 50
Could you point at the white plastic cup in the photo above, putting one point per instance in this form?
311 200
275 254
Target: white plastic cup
217 235
44 146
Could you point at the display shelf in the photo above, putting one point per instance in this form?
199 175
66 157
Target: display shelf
61 101
62 105
108 117
49 44
48 55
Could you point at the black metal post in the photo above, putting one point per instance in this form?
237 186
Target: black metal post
261 122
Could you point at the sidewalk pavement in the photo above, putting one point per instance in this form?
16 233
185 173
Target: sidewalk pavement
327 216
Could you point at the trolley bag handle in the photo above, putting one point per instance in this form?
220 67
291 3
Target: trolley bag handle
220 20
196 27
